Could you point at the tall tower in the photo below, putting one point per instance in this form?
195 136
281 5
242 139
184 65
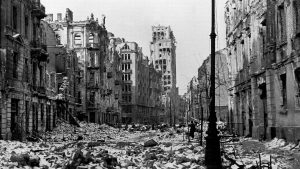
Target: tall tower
163 55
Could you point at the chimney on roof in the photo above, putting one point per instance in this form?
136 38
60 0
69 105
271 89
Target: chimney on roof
69 15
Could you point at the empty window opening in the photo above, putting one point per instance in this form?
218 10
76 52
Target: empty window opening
283 90
15 64
77 39
14 19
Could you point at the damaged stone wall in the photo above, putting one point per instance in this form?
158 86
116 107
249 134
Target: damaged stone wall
245 34
23 58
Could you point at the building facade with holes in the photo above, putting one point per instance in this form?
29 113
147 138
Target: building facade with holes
111 97
141 87
89 39
163 56
23 66
61 79
263 58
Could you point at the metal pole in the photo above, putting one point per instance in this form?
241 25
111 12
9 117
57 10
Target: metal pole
212 150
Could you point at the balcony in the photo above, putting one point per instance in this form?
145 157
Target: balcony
127 61
127 71
127 81
38 52
93 46
38 9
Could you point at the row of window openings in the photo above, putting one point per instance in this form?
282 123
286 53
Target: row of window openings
158 35
126 77
167 88
126 98
15 21
78 39
26 69
163 67
126 88
37 118
167 82
125 56
161 61
126 66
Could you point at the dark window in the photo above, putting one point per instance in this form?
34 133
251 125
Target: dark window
14 116
26 68
42 115
79 97
26 26
15 16
41 76
27 116
296 5
77 39
92 77
283 90
15 65
282 22
92 60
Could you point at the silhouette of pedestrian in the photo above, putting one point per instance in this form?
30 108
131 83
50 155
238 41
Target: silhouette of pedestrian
192 129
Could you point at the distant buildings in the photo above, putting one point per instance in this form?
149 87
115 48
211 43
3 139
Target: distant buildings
163 55
61 69
221 87
140 86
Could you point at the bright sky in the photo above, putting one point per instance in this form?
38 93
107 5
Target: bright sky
132 20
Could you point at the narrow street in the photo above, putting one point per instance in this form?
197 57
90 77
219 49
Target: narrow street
102 146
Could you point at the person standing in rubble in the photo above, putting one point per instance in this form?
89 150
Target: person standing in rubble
192 129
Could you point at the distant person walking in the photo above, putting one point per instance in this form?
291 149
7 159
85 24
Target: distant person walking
192 129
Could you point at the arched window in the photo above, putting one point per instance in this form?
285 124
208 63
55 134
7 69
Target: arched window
77 39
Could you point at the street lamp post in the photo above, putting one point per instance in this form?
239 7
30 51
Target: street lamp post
212 150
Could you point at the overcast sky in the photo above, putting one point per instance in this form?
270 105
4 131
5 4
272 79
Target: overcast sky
132 20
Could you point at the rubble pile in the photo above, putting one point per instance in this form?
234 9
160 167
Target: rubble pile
249 153
102 146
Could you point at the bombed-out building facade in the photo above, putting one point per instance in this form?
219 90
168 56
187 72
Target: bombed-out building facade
263 60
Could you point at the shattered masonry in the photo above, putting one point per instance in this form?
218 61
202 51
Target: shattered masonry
58 68
263 50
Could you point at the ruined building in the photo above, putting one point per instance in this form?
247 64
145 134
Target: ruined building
89 39
263 58
112 89
140 85
221 86
23 99
163 55
245 33
61 78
